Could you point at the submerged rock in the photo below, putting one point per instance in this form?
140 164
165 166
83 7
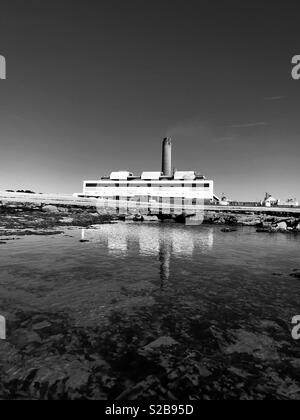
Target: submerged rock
42 326
22 338
161 342
260 346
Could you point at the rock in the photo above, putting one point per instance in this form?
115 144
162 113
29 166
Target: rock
138 218
8 353
42 326
135 392
239 372
220 221
204 372
255 222
296 363
67 220
22 338
56 375
151 219
50 209
161 342
232 220
282 226
78 379
260 346
264 230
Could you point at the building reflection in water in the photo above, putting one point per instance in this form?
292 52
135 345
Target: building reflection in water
162 242
165 254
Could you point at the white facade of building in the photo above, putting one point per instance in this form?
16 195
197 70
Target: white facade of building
153 192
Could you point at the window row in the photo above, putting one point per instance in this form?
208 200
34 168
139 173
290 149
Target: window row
96 185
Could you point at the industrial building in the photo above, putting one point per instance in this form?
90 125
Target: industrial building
166 192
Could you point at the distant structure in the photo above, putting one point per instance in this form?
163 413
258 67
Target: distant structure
167 192
291 202
270 201
224 200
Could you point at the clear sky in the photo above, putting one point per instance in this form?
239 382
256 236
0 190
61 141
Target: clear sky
94 86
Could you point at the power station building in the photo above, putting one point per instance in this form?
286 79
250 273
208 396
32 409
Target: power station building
165 192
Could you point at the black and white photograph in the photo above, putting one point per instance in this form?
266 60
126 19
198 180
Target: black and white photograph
149 203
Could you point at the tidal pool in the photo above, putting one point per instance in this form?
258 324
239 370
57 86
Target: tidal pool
221 302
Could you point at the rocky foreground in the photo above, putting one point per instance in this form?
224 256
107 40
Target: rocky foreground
187 353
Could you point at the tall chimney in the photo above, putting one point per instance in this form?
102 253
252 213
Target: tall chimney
167 157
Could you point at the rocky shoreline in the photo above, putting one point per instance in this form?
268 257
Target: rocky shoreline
21 216
27 218
263 222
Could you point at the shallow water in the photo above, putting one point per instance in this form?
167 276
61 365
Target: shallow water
224 300
129 266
